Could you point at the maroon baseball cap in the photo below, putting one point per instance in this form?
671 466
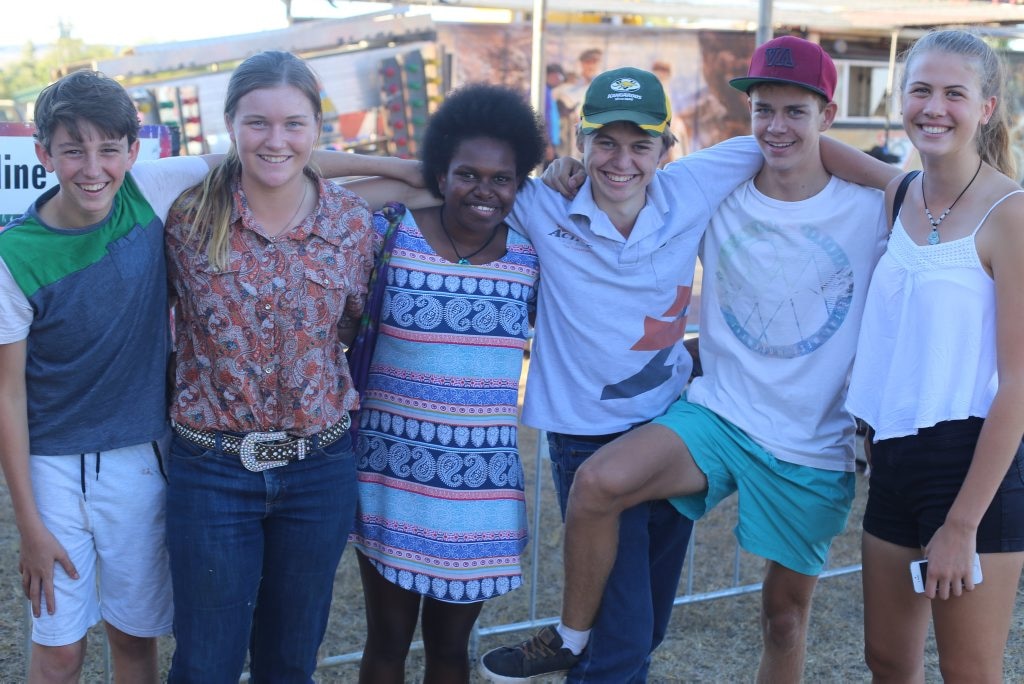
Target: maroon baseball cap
792 60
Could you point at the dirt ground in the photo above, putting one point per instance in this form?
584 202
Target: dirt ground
715 640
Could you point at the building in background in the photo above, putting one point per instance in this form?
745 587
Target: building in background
383 73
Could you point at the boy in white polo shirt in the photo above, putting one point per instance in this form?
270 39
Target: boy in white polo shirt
617 270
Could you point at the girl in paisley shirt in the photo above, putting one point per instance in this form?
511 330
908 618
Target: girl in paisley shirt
269 262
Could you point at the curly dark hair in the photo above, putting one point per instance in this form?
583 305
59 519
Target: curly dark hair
481 110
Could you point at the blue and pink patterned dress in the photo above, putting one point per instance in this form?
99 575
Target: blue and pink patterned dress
441 506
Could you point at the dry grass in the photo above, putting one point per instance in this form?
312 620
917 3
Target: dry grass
709 641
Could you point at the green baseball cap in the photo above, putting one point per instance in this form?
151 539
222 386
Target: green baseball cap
626 94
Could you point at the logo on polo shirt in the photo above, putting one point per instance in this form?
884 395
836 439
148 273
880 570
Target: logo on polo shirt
663 335
562 234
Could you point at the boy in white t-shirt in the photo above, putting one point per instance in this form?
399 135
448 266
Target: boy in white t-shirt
787 258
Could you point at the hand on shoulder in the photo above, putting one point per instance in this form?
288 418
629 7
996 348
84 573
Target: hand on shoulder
565 175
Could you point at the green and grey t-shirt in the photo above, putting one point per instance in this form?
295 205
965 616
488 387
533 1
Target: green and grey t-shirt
92 304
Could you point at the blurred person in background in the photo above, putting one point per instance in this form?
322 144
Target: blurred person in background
663 70
554 77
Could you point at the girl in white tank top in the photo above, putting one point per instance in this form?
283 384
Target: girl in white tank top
941 351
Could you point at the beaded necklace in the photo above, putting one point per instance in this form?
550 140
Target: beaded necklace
933 236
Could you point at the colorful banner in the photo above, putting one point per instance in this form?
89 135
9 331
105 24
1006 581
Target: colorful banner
23 178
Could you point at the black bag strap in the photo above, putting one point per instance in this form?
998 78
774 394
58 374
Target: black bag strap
901 192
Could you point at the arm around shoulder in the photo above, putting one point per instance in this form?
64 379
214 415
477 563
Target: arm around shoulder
850 164
718 170
565 176
378 190
335 164
381 179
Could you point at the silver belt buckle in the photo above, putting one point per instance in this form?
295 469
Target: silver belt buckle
247 451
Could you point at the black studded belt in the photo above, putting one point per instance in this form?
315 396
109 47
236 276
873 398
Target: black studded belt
263 450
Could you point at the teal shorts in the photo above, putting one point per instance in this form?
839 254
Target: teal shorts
788 513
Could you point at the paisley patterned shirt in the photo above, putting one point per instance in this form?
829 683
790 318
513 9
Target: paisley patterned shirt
257 344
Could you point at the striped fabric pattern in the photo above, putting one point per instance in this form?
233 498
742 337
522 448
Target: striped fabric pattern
441 504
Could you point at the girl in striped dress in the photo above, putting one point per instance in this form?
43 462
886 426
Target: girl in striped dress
441 517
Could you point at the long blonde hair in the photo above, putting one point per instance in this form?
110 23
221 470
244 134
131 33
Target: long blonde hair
210 207
993 138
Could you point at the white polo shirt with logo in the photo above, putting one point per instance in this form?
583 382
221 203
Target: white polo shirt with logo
612 311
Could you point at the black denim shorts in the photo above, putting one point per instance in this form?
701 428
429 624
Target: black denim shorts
915 479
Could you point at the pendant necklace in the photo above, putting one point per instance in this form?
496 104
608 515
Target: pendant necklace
464 260
291 221
933 237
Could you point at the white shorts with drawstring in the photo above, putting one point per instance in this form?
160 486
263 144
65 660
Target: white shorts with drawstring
107 510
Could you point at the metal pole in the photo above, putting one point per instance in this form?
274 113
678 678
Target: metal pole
764 21
889 86
26 628
537 81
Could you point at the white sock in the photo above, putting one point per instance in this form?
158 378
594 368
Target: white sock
573 639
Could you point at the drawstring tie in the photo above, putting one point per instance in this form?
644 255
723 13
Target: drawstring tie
82 471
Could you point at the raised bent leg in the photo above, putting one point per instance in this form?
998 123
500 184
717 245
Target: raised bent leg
646 464
650 463
639 596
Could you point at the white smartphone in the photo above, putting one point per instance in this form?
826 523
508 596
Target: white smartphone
919 572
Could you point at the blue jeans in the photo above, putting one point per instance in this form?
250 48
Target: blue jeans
253 559
637 601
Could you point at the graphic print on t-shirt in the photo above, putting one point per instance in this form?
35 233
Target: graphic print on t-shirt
783 293
661 334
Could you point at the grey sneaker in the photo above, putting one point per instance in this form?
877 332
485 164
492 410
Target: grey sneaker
542 655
